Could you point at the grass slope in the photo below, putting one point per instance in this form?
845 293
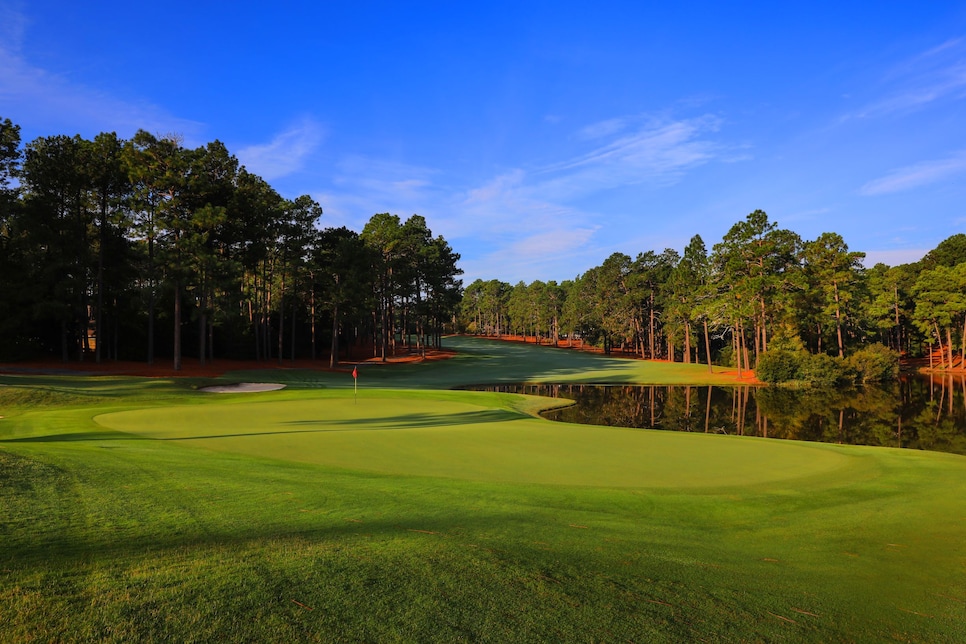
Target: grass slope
135 509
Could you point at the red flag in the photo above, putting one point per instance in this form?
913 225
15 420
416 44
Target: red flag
355 372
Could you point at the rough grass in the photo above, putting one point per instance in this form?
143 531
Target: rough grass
446 516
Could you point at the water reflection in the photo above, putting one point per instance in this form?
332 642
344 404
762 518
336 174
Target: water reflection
915 412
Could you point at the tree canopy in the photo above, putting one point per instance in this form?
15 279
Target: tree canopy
130 248
759 282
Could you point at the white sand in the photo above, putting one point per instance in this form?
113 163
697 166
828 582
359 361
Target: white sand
243 387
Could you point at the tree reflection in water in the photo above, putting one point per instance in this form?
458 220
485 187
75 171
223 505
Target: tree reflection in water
915 412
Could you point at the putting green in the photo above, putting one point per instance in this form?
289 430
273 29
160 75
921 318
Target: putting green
456 435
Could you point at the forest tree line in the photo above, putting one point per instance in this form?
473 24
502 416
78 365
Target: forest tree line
134 249
760 287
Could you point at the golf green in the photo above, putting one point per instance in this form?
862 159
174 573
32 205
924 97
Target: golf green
456 434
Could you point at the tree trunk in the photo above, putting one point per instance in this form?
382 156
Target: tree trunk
177 325
312 315
838 321
281 319
254 325
334 346
764 333
687 343
962 364
707 346
736 348
202 333
151 298
292 340
99 319
942 352
757 334
744 345
949 343
895 304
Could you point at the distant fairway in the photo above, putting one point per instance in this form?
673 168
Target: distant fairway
147 510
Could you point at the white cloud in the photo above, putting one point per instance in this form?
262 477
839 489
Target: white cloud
917 175
286 153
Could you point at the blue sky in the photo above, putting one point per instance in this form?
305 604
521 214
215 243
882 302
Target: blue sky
537 137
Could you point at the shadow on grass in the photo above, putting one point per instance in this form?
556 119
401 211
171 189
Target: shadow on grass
77 437
407 421
80 551
393 423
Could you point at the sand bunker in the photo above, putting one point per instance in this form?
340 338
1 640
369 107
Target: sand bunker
243 387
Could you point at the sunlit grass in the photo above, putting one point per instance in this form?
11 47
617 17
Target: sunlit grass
308 514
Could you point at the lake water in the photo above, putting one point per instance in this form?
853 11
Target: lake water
915 412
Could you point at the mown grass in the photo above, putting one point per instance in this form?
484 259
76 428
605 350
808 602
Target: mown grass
426 515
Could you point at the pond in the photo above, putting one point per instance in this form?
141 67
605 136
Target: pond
914 412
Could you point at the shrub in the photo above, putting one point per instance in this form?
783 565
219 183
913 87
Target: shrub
780 365
874 363
784 359
822 370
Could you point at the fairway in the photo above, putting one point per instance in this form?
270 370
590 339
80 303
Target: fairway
148 510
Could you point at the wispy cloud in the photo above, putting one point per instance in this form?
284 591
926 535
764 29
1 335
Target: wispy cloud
286 153
47 101
917 175
655 154
532 218
363 186
544 255
934 75
13 25
534 214
658 154
603 128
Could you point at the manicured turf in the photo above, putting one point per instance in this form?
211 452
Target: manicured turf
146 510
457 435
